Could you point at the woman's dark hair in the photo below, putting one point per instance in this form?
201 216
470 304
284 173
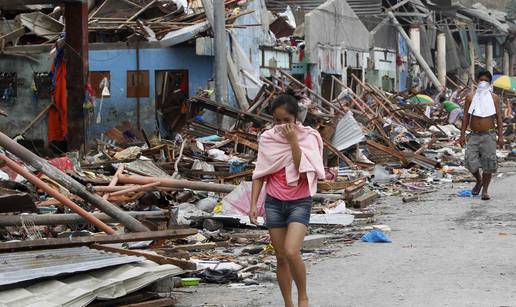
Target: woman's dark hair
287 101
485 73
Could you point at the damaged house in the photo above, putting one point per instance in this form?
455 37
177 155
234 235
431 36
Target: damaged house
144 59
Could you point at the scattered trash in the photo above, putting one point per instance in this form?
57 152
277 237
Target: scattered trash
189 282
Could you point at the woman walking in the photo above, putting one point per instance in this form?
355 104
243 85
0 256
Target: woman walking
289 163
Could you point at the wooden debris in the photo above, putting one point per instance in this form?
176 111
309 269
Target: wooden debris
186 265
79 241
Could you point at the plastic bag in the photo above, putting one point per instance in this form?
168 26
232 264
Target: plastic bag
382 175
239 200
466 193
62 163
376 236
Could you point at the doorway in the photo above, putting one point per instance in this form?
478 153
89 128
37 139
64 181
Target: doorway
171 88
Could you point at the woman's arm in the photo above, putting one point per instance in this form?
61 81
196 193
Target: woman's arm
255 193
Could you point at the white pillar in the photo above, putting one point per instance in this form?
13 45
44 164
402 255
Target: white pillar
506 62
415 37
471 47
489 57
441 58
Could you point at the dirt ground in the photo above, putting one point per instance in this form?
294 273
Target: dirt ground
446 251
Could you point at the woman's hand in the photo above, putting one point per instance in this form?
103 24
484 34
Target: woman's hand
289 132
253 215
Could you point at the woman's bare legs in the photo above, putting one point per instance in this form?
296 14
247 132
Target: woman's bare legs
287 243
293 242
278 236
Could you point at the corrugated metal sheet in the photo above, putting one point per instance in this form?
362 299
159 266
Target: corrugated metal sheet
24 266
481 12
366 7
347 133
81 289
279 6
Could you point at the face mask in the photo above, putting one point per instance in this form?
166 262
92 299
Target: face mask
484 85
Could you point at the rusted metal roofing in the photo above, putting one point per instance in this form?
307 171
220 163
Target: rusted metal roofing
24 266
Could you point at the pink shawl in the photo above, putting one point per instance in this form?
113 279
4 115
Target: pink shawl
274 154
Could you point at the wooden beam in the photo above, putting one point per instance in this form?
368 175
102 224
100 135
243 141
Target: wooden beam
143 9
241 140
79 241
36 119
388 150
13 36
339 154
186 265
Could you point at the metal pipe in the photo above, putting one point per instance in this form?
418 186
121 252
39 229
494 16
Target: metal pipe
71 184
106 189
414 51
202 186
114 180
136 189
71 219
65 201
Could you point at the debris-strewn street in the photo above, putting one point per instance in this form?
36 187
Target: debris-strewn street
446 251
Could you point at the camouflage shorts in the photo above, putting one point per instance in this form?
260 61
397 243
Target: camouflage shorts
481 152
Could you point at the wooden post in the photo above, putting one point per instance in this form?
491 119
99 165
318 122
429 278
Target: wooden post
76 16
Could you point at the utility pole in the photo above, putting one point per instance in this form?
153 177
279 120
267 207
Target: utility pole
220 65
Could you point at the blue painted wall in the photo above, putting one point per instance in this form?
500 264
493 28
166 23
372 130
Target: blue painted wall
119 107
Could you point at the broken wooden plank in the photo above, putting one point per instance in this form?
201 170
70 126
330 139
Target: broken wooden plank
365 200
143 9
13 36
339 154
185 265
36 119
240 175
79 241
241 140
190 247
387 150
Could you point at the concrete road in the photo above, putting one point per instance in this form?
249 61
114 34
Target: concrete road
446 251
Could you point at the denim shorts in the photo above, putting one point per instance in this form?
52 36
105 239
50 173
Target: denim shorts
279 213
